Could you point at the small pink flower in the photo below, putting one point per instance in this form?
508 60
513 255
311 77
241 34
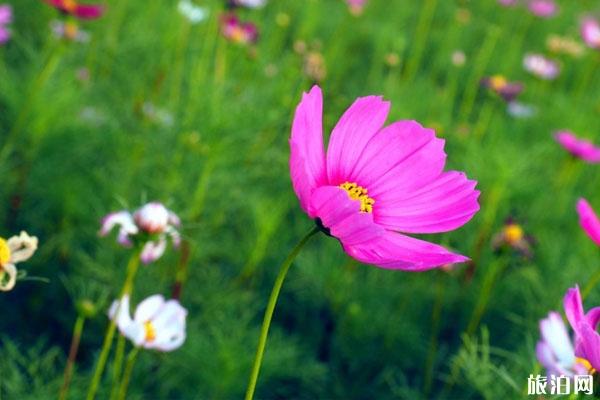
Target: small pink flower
149 226
356 6
588 220
590 32
541 66
587 340
579 148
375 182
555 350
5 19
543 8
236 31
82 11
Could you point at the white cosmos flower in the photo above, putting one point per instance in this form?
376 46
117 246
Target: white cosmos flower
12 251
251 3
156 324
192 12
153 220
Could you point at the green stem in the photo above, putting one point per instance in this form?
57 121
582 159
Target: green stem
264 331
128 370
487 286
132 268
77 330
590 285
427 13
117 365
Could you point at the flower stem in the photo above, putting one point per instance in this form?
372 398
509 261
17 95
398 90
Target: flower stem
132 268
264 331
117 365
127 374
591 284
77 330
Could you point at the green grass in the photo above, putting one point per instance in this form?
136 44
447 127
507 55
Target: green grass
340 330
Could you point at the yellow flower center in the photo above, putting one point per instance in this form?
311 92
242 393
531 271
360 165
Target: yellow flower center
150 331
4 252
497 82
513 233
586 364
356 192
70 5
71 30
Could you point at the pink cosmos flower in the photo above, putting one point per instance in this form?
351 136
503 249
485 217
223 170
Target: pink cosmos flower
5 19
587 340
543 8
149 226
541 66
588 220
356 6
375 182
590 32
555 350
237 31
579 148
72 7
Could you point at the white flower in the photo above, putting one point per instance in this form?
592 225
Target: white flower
152 219
251 3
192 12
541 66
12 251
69 31
156 324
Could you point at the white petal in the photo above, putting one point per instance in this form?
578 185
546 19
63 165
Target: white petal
11 271
148 308
555 335
22 247
152 251
119 311
121 218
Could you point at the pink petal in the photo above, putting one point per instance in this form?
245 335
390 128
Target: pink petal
402 158
589 220
573 307
441 206
88 11
342 216
396 251
588 346
593 317
356 127
307 159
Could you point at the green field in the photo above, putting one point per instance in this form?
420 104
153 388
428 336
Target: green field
152 107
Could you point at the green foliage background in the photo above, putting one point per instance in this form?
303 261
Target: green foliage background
341 330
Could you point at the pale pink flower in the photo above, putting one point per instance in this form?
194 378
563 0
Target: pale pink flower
375 182
590 32
543 8
541 66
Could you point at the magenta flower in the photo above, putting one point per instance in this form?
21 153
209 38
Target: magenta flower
579 148
555 350
587 340
590 32
237 31
543 8
82 11
588 220
541 66
375 182
5 19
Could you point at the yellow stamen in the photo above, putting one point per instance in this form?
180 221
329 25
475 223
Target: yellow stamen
71 30
586 364
4 252
497 82
356 192
513 233
70 5
150 331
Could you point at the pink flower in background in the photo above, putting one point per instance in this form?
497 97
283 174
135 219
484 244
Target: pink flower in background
72 7
156 324
588 220
5 19
356 6
541 66
498 84
543 8
374 182
590 32
579 148
149 226
237 31
587 340
555 350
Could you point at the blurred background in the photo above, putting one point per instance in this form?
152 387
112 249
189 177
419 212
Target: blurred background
157 101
